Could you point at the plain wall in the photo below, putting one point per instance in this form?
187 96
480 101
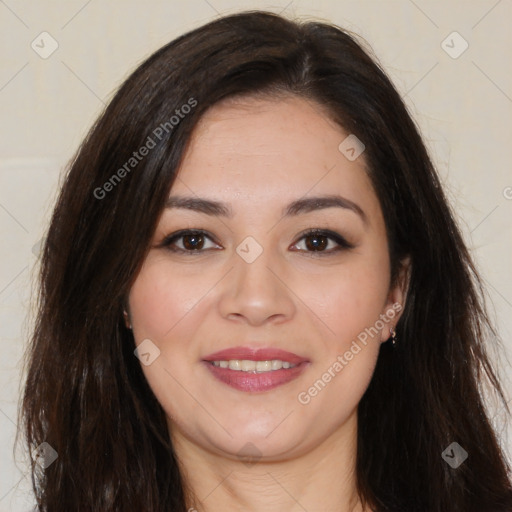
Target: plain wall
463 106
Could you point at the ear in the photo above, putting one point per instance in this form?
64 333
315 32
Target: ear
126 315
127 320
396 299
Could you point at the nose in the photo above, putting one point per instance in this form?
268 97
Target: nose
257 293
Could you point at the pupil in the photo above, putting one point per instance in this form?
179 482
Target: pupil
316 242
192 241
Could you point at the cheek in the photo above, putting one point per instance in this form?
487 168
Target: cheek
350 306
163 309
159 299
350 299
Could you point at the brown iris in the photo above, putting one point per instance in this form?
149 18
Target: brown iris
316 242
193 242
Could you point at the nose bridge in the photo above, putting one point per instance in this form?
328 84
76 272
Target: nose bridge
253 291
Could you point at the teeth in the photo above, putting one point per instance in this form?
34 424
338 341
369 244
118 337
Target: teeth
244 365
276 364
235 364
248 366
263 366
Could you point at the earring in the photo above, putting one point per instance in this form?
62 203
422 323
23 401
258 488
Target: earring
393 336
127 320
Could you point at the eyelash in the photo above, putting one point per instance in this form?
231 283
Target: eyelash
341 242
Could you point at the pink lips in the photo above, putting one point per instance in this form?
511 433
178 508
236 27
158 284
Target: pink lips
253 381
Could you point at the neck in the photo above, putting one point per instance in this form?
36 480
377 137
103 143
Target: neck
322 478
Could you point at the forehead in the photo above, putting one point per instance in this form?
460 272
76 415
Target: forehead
270 149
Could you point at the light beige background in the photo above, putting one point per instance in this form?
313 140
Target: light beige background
462 105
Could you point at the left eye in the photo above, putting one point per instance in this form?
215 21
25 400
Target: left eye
322 241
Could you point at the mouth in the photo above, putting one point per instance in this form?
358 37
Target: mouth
255 370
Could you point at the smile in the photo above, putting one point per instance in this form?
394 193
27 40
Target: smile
245 365
255 370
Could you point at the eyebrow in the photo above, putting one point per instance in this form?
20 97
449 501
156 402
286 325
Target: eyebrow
298 207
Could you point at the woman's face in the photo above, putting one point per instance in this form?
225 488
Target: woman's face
250 280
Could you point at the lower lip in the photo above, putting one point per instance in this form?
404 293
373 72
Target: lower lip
252 381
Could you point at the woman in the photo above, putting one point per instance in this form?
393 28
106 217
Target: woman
255 297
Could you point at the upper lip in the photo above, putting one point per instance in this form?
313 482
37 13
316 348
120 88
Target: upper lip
255 354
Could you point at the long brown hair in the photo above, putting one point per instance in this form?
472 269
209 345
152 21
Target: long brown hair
85 393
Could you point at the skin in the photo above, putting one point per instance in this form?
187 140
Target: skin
258 155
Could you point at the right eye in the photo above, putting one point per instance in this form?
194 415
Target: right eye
188 241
